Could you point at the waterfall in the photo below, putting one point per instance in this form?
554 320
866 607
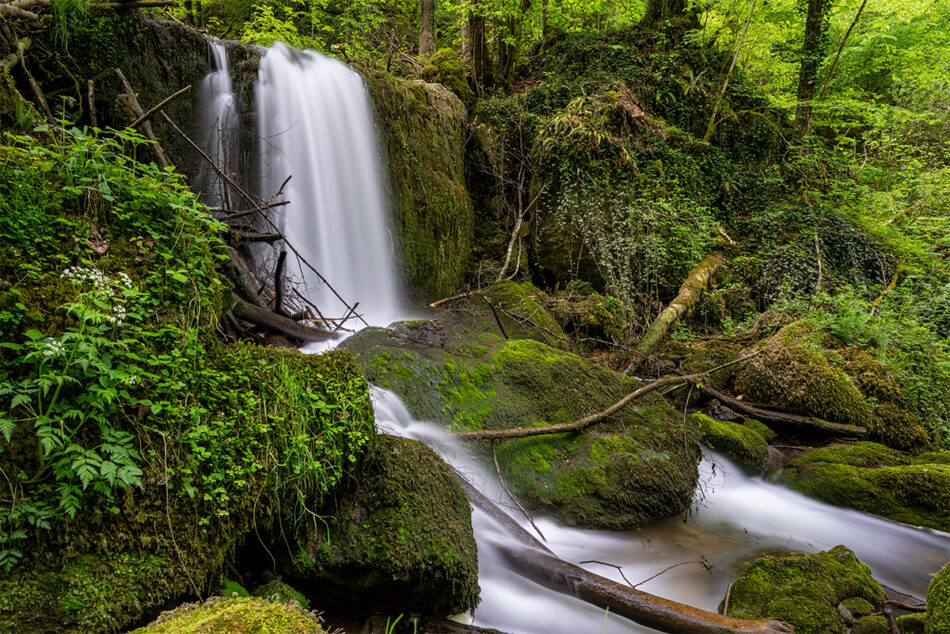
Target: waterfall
217 127
315 124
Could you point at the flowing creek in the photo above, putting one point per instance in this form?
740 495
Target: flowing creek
315 122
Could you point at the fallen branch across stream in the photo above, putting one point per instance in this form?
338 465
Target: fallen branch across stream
583 423
278 323
534 561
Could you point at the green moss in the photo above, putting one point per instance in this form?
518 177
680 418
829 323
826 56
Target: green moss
898 427
938 602
424 130
803 590
876 480
760 428
233 589
912 623
626 471
871 625
278 591
399 536
858 607
739 443
793 372
250 615
520 307
445 67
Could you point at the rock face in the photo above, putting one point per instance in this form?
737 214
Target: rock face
398 538
876 479
805 590
247 615
737 442
631 469
423 127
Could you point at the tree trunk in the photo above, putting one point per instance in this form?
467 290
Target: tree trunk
677 12
427 28
684 302
478 48
812 50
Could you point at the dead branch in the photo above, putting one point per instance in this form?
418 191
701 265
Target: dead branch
161 105
252 236
92 103
454 297
257 207
766 415
582 423
684 302
497 318
133 103
504 486
278 323
279 282
13 58
234 214
242 276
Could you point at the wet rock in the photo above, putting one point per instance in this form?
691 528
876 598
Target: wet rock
629 470
804 590
738 443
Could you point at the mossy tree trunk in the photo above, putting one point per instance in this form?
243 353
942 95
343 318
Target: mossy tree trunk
677 12
813 48
427 28
478 47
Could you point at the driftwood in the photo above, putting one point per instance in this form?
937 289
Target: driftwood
766 415
684 302
536 562
583 423
278 323
133 103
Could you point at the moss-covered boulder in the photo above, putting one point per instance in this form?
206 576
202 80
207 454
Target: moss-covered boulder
243 615
280 592
423 128
737 442
399 537
803 589
519 306
938 602
876 479
628 470
445 67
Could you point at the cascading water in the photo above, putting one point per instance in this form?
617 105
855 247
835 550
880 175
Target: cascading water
316 125
218 128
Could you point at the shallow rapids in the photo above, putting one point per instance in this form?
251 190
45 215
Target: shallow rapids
733 518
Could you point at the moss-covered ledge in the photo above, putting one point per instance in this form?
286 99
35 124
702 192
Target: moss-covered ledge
424 128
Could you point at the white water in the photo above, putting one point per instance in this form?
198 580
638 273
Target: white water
734 517
315 123
217 127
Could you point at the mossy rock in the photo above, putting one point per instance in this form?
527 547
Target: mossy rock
399 537
247 615
793 372
445 67
740 444
277 590
875 479
629 470
761 429
424 127
871 625
938 602
520 307
693 357
803 589
912 623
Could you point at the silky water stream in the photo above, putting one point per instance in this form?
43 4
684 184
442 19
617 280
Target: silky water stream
315 122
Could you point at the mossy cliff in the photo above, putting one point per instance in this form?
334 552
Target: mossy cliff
804 590
423 127
635 467
398 537
876 479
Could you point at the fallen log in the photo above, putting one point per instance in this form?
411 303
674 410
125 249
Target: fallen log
683 304
252 236
242 276
771 416
278 323
583 423
132 102
537 563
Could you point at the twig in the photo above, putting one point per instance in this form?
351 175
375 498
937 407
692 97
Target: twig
605 563
497 319
136 109
513 498
668 568
725 603
234 214
475 291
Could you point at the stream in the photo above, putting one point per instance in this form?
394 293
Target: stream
315 123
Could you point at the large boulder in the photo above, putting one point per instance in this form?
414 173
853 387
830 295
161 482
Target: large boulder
875 479
399 537
805 590
635 467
